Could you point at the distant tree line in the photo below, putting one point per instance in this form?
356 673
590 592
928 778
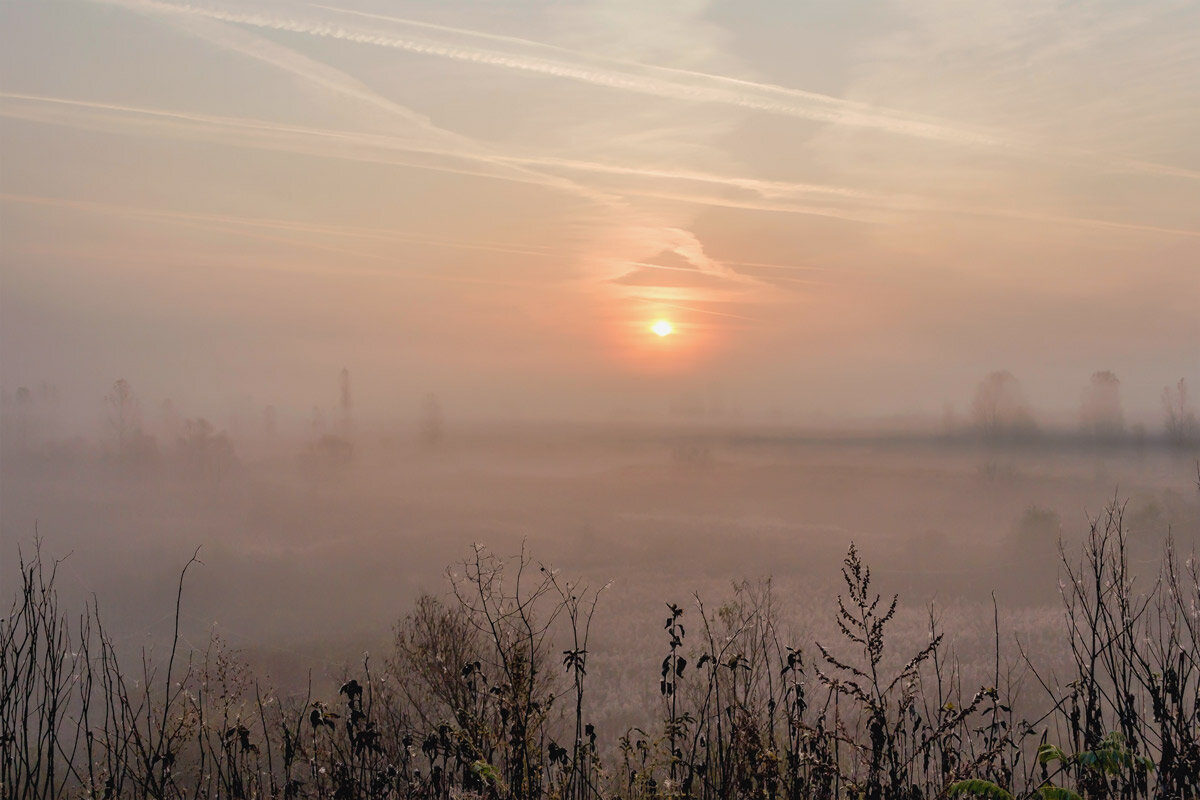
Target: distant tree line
999 411
137 443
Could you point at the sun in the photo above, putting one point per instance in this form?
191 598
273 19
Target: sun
663 328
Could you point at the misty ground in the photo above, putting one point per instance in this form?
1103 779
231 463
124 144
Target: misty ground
309 562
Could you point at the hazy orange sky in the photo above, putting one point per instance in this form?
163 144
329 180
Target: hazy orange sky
845 208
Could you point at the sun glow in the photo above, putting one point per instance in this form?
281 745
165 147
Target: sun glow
663 328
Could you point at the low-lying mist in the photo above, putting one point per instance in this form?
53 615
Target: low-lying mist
326 540
313 547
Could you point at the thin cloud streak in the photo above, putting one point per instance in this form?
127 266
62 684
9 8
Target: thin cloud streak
766 188
439 141
1086 222
680 84
262 134
809 105
252 229
793 267
722 273
694 310
649 80
1136 165
857 113
372 149
647 265
241 222
321 75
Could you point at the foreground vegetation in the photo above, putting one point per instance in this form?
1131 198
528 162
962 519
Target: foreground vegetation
485 696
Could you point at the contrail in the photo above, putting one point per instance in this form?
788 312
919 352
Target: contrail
789 101
1136 165
793 267
724 273
766 188
288 226
690 270
259 48
821 107
531 170
379 149
694 310
831 212
643 79
253 228
536 57
1086 222
243 132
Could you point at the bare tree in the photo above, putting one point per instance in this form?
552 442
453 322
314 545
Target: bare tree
1100 415
204 453
999 408
1182 427
124 416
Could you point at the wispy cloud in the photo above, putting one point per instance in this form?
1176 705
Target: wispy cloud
427 146
436 139
522 55
415 153
1083 222
861 207
255 133
424 145
663 302
644 266
519 54
277 231
1076 84
365 235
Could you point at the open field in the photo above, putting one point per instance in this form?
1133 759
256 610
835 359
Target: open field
301 557
312 561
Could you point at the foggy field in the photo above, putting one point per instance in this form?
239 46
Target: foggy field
309 566
311 556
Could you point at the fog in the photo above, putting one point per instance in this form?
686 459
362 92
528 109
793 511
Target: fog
314 544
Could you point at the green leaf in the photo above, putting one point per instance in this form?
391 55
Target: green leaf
974 787
1051 752
1050 792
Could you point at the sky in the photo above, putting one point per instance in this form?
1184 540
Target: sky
845 209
